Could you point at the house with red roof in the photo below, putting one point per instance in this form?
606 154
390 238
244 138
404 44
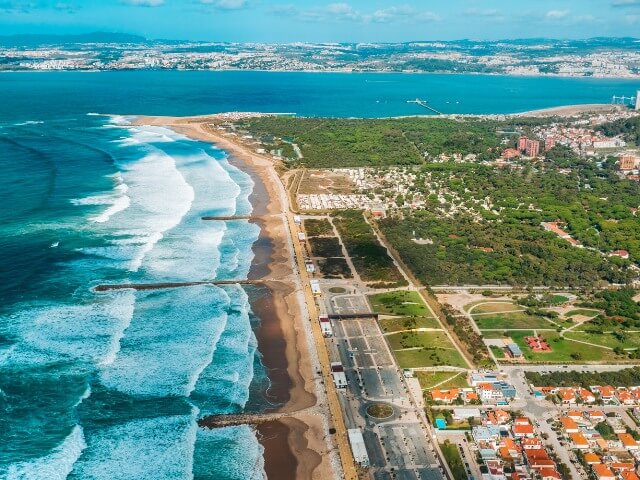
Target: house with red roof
569 425
629 476
579 441
445 396
602 472
628 441
586 395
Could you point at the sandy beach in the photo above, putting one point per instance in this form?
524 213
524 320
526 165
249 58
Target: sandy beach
294 445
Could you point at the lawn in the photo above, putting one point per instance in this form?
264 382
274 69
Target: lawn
402 303
582 311
318 227
516 320
407 323
563 350
491 307
497 352
611 340
399 341
558 299
429 380
424 349
429 358
454 460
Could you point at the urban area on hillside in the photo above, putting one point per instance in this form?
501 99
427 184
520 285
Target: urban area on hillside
573 58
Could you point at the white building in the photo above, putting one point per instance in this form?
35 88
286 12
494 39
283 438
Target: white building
339 377
325 326
357 447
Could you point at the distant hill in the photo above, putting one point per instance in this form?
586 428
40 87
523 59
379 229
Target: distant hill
32 40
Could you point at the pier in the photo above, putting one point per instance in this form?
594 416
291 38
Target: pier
159 286
425 104
233 420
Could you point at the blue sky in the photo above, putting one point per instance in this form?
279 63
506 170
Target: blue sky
332 21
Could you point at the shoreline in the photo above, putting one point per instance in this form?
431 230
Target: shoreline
282 342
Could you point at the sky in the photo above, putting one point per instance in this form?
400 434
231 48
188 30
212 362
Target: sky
332 21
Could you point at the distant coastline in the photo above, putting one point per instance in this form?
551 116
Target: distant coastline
630 78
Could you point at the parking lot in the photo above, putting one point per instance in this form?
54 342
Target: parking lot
398 447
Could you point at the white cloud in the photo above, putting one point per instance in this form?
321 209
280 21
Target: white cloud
557 14
491 13
343 11
226 4
146 3
625 3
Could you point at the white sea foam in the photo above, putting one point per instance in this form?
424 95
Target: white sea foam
120 120
86 394
153 448
235 350
29 122
64 332
170 341
56 465
117 201
233 450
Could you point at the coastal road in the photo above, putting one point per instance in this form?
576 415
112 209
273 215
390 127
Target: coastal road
340 437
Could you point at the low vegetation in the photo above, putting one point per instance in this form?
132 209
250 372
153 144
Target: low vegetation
467 335
370 259
454 460
334 267
325 247
318 227
339 143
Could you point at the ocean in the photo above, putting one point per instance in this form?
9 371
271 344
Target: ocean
111 385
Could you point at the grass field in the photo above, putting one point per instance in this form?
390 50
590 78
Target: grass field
581 311
558 299
511 320
454 460
623 340
424 349
407 323
399 341
563 350
430 380
493 307
497 352
402 303
434 357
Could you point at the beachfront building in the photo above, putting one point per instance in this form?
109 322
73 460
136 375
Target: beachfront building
339 377
356 440
325 326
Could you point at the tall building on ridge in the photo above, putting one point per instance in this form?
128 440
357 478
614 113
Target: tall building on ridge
532 148
549 143
522 143
627 163
638 100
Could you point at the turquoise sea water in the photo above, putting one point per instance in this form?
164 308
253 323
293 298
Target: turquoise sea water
110 385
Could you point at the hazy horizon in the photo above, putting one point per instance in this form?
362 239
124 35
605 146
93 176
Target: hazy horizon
274 21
